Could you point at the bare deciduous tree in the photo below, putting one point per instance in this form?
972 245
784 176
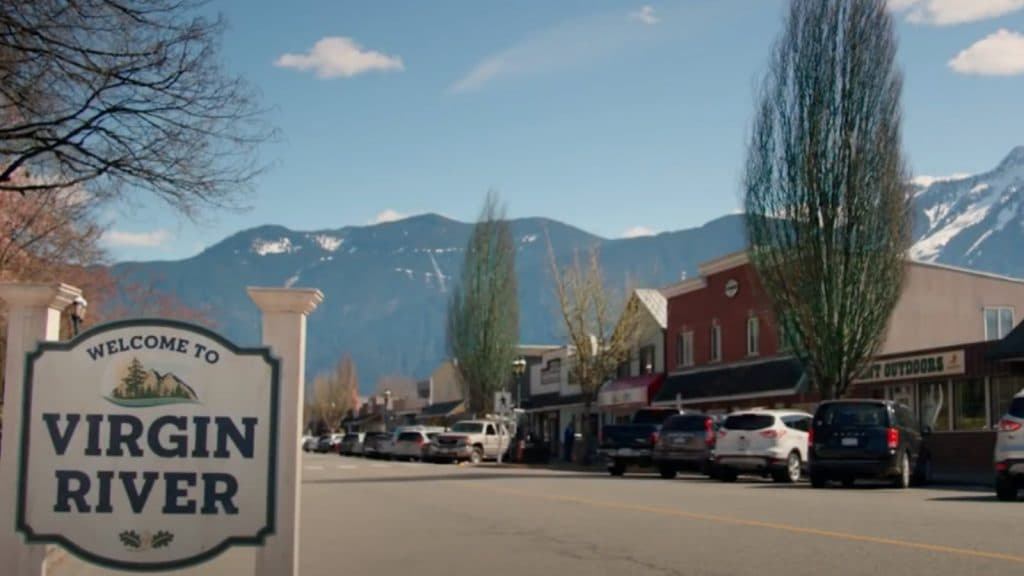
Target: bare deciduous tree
483 313
827 202
602 333
335 394
115 94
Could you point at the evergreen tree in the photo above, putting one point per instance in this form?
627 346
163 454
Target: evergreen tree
135 379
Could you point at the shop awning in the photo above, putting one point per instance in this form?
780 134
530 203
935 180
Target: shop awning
1011 347
781 377
635 391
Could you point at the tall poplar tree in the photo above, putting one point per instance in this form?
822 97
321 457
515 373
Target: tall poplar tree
827 202
483 312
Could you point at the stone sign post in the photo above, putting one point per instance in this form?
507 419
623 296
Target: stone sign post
33 315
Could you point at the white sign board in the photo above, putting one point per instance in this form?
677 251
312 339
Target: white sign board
502 402
148 445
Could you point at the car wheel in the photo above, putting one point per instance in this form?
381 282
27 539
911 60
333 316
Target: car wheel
818 480
727 475
667 472
792 472
903 477
476 456
1006 488
617 469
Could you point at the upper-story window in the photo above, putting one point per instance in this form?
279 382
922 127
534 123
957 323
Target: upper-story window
716 343
998 322
684 348
552 373
647 364
753 336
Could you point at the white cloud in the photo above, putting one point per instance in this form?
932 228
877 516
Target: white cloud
388 215
638 231
154 239
645 15
951 12
339 57
560 47
999 54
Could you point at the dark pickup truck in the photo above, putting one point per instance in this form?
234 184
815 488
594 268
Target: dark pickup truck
632 445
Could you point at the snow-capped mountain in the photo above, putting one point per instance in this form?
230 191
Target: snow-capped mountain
974 221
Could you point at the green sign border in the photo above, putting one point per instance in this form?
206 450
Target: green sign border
275 393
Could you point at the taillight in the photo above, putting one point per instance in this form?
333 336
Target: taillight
419 441
653 438
1002 466
810 437
709 433
1007 425
722 433
894 438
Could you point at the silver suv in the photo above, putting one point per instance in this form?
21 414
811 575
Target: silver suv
1009 454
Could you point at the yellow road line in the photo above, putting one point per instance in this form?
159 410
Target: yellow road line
759 524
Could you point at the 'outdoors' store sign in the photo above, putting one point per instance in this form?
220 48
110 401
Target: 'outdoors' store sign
915 367
148 445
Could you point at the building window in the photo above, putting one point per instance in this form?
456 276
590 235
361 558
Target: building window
998 323
1004 388
934 403
716 343
753 336
684 348
647 365
969 408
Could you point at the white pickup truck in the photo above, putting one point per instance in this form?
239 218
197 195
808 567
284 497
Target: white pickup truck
473 441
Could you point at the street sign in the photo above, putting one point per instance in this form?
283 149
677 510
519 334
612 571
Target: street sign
148 445
502 402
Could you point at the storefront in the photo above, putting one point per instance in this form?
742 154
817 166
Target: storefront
547 417
619 400
770 383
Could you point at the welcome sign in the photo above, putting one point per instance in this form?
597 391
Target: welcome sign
148 445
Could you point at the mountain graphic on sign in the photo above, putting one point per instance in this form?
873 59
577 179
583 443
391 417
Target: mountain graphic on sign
141 387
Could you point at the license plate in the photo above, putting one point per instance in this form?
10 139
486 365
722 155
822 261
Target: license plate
625 452
742 444
685 439
849 441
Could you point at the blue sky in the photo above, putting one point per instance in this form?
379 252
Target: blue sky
618 117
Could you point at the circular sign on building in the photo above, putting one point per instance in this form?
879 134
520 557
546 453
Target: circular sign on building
732 287
148 445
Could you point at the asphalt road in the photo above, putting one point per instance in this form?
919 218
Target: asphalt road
368 518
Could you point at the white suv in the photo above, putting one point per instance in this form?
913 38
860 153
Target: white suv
764 443
1009 454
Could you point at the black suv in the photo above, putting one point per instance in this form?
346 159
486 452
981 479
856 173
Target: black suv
877 439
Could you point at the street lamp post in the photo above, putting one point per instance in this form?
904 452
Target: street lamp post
387 404
518 369
77 313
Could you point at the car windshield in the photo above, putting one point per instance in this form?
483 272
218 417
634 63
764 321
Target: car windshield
408 436
651 416
854 415
749 421
693 423
468 427
1017 407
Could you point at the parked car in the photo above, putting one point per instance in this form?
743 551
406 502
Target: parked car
372 442
328 443
768 443
1009 453
877 439
413 445
308 443
352 444
686 442
473 441
632 445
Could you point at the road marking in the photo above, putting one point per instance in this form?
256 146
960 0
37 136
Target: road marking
758 524
345 467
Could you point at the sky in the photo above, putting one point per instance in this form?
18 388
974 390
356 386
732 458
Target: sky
621 118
